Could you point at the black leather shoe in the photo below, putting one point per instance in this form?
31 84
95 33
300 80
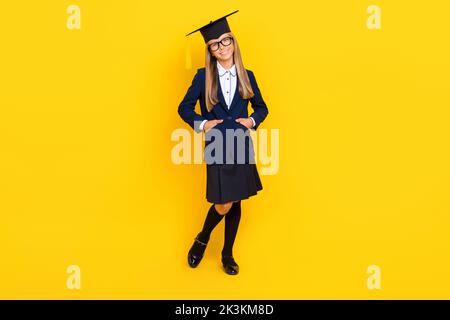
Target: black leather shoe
229 265
196 252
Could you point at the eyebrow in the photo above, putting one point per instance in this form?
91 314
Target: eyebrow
227 36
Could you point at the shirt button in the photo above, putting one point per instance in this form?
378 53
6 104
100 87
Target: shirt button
228 78
229 118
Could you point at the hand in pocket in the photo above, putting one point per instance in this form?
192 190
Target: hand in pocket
211 124
246 122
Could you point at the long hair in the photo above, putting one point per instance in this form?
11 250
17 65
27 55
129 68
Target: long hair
211 83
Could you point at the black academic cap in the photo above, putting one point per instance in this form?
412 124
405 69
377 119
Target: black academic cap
214 29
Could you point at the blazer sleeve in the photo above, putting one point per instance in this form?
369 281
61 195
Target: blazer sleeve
257 102
186 109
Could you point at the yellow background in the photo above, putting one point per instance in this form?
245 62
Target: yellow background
86 176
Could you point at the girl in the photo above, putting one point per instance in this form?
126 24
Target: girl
224 88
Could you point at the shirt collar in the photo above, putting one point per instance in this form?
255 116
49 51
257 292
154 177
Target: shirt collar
222 70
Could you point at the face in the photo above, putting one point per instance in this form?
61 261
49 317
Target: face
223 53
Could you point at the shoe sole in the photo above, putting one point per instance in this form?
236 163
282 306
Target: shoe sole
231 274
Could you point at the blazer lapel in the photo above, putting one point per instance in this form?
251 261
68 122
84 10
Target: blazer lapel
235 96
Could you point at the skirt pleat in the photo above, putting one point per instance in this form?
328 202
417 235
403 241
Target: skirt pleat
231 182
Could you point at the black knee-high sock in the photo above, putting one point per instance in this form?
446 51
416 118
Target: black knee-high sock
232 220
211 221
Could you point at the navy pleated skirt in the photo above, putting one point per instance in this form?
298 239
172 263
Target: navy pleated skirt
231 182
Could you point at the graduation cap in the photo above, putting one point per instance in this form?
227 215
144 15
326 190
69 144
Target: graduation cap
213 30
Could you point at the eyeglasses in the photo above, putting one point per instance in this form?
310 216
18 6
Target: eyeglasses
225 42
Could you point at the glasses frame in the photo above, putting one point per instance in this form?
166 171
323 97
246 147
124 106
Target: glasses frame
220 42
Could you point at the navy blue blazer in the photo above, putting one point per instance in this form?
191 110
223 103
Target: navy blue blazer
238 109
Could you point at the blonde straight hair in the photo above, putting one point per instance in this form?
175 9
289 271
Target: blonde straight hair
211 83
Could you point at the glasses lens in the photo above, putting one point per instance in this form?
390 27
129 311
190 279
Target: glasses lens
226 41
214 46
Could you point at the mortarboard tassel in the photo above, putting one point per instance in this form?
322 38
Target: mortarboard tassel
188 64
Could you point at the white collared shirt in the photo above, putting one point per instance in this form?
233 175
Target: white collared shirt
228 83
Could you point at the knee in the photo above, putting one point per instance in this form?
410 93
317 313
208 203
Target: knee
223 208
